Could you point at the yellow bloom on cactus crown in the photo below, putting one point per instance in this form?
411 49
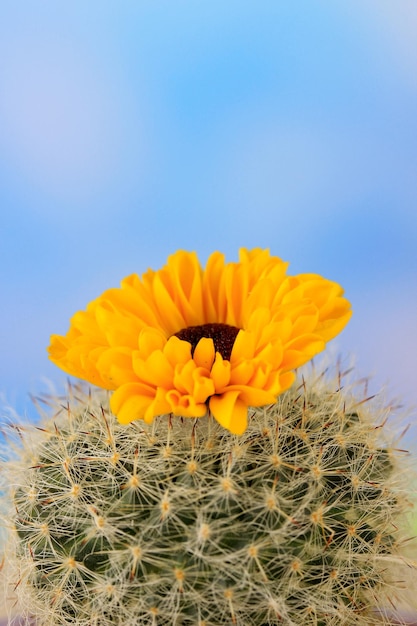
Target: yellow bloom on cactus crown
187 340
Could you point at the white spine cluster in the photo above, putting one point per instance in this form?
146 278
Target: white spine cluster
300 521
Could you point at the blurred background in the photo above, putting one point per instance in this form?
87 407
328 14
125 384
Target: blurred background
131 129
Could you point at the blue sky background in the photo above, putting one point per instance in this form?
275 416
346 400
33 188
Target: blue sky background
131 129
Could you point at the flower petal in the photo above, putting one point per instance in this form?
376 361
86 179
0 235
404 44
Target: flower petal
230 411
115 366
185 405
220 373
185 283
130 401
204 353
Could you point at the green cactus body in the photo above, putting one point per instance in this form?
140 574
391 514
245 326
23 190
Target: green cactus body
297 521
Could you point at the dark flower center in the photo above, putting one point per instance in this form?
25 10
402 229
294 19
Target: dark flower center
223 336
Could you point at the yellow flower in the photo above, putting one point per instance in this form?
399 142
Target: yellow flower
185 340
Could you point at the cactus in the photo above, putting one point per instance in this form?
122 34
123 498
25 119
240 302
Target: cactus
300 520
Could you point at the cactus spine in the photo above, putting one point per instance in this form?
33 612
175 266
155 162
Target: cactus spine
298 521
